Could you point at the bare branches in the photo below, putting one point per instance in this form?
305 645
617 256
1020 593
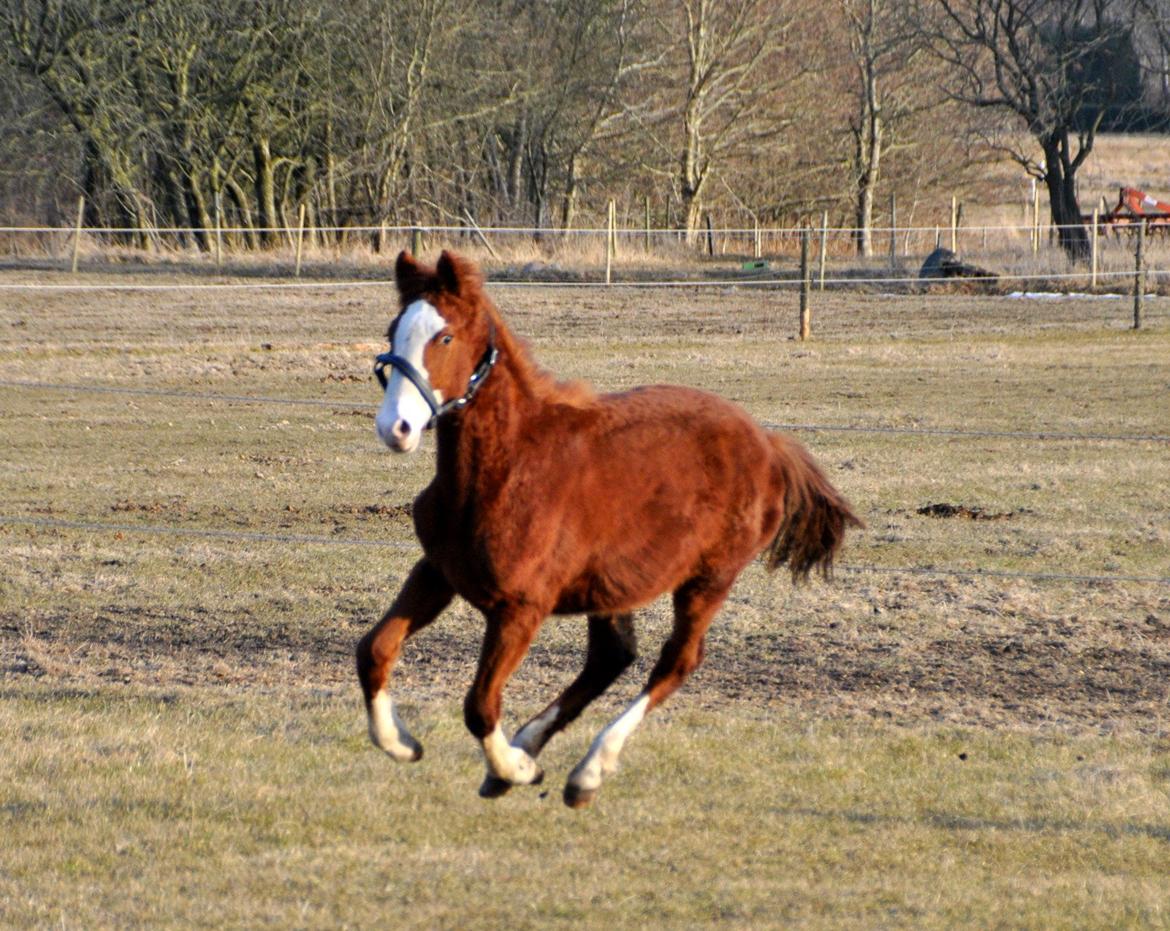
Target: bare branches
372 111
1032 58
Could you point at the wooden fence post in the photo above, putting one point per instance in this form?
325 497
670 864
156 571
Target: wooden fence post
479 234
1139 277
77 232
610 210
757 241
218 230
954 223
300 239
647 203
824 249
1035 218
893 233
416 243
710 236
805 285
1093 258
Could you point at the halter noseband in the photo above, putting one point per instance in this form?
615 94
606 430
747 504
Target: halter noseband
419 380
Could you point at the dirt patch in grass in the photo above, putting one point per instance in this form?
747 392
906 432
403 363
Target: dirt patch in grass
878 656
964 511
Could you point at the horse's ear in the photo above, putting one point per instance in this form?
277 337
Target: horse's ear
405 268
456 274
408 275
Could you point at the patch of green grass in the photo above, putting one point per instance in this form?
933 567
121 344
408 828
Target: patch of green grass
126 807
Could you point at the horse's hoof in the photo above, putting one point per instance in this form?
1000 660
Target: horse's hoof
403 753
576 797
493 787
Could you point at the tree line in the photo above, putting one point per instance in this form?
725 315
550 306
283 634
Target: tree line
173 113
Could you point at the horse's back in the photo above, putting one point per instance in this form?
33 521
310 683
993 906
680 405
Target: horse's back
609 504
679 425
658 481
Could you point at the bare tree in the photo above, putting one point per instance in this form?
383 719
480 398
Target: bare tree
1028 58
890 84
393 48
406 110
1152 37
719 98
66 47
593 57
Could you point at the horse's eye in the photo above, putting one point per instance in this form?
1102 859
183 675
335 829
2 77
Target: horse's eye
447 339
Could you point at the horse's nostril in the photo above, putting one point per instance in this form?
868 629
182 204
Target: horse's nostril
401 429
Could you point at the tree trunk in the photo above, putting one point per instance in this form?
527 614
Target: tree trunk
692 174
240 199
869 154
196 206
265 190
331 183
572 188
692 212
1060 178
92 181
516 159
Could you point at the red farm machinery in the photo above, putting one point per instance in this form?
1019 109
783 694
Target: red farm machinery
1134 206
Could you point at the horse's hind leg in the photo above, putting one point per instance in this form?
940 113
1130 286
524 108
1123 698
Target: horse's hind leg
612 646
695 604
423 597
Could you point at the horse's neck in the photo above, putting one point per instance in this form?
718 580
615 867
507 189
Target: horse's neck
474 449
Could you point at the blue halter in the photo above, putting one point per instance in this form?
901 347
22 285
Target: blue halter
419 380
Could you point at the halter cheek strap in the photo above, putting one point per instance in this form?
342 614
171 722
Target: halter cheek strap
416 378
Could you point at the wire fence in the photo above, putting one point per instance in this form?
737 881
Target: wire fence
747 282
240 536
1041 435
1009 252
300 539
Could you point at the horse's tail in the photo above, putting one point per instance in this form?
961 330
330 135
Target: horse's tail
815 514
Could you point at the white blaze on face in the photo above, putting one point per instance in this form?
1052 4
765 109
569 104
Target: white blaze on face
404 410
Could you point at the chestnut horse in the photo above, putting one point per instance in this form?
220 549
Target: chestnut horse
550 499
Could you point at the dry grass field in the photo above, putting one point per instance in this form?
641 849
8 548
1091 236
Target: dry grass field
967 726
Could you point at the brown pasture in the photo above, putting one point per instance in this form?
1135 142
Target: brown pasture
198 523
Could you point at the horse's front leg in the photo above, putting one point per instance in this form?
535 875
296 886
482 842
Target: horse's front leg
422 598
509 634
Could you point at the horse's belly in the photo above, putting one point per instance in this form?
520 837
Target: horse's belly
585 601
616 589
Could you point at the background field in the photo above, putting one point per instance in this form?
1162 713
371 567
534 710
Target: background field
198 524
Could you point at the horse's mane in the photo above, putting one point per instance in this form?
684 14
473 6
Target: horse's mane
533 380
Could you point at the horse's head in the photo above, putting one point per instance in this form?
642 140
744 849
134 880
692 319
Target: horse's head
441 348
